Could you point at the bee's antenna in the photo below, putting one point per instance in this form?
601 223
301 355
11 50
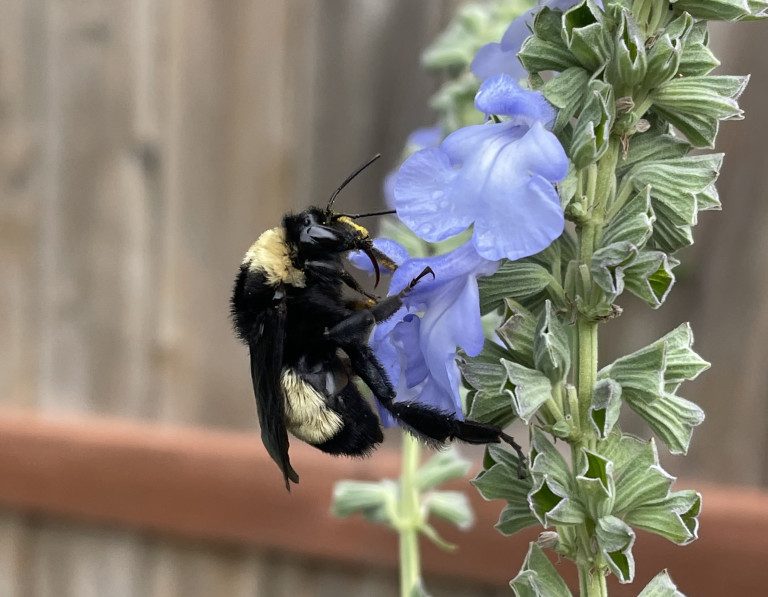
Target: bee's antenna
388 212
349 179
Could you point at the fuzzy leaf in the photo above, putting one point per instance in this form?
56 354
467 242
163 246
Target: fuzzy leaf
593 129
494 409
538 55
514 280
552 504
650 277
615 540
532 389
674 184
661 586
634 222
670 237
595 484
671 417
608 266
362 497
444 466
585 36
452 506
719 10
638 477
515 517
652 146
695 105
551 346
628 65
546 460
566 92
682 362
501 481
485 371
697 60
675 517
606 406
641 374
663 60
538 577
517 333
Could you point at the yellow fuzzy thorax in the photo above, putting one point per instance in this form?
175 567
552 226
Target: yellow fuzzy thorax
271 254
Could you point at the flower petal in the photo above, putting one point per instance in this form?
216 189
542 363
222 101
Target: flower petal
426 136
502 95
492 59
533 208
424 197
460 262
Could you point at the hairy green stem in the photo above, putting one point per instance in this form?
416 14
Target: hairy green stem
409 517
591 582
600 191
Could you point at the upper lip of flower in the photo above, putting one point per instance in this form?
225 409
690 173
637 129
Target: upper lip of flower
497 176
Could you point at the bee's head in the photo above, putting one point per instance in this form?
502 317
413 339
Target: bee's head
316 232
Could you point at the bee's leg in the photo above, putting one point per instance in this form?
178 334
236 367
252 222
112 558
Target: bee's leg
357 326
334 270
429 424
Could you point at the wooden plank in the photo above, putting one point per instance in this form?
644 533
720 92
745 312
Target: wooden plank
220 486
22 36
224 154
96 299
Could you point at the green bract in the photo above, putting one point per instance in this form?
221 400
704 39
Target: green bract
635 103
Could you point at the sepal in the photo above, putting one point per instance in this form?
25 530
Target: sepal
513 279
500 480
444 466
695 105
661 586
605 407
724 10
592 131
451 506
532 389
544 51
628 65
551 345
538 577
615 540
517 333
675 517
586 35
373 500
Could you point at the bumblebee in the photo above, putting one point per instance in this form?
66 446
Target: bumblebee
308 341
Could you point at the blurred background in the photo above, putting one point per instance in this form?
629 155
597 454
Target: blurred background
144 145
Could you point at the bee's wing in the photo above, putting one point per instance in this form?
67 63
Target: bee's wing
266 348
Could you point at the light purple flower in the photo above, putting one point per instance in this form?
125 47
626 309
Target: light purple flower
497 58
421 138
497 176
418 344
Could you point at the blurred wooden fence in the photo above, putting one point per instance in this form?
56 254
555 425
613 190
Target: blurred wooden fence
144 144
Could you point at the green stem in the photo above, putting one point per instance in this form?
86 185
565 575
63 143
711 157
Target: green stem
601 191
591 583
587 372
410 517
